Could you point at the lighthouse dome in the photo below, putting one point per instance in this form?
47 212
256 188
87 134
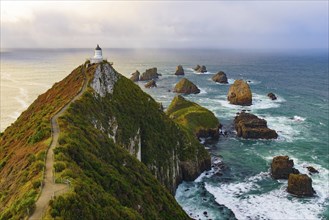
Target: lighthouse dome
98 48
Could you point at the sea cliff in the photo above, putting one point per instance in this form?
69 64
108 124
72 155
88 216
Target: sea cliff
121 153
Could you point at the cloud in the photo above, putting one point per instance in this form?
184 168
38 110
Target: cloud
222 24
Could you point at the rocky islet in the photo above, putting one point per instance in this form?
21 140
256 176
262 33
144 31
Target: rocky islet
240 93
249 126
220 77
185 86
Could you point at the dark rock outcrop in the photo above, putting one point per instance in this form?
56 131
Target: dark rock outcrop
249 126
150 84
179 70
185 86
272 96
312 169
200 69
149 74
239 93
195 118
220 77
190 172
300 185
282 167
135 76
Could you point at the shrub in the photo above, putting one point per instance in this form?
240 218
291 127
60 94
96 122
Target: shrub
59 166
39 165
36 184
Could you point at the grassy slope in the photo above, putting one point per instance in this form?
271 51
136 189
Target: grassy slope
106 179
191 116
23 146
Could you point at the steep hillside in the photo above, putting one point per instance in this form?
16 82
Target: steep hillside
193 117
103 136
23 146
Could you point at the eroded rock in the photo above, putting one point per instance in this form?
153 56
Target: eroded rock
300 185
249 126
239 93
220 77
179 70
282 167
185 86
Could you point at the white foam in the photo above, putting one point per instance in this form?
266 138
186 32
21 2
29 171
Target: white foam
22 98
287 128
298 118
202 91
230 81
14 115
259 102
198 73
276 204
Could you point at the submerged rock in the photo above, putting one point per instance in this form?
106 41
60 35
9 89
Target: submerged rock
239 93
185 86
272 96
195 118
149 74
135 76
151 84
220 77
282 167
179 70
200 69
300 185
249 126
312 169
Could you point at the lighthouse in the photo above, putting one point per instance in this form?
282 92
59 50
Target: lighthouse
98 57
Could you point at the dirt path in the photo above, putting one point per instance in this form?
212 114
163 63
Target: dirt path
50 187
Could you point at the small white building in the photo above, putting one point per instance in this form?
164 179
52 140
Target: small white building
98 57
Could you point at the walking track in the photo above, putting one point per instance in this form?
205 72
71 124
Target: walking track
50 187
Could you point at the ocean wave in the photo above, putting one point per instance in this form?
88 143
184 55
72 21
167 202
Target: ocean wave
275 204
22 98
259 102
202 91
198 73
288 128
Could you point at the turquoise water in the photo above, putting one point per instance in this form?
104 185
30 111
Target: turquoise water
243 189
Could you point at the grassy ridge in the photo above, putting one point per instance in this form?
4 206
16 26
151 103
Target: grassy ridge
192 116
23 146
97 150
107 180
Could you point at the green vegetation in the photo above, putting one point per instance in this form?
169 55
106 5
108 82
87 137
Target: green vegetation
98 144
192 116
23 146
107 172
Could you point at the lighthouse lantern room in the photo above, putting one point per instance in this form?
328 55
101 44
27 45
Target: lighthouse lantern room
98 57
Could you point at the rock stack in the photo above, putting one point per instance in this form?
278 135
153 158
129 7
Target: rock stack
200 69
179 70
282 167
249 126
149 74
135 76
185 86
239 93
220 77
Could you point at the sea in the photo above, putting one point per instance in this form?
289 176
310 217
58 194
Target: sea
241 186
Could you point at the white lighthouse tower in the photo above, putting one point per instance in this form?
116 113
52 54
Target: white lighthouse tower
98 57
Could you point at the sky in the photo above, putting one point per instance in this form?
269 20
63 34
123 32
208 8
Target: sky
244 24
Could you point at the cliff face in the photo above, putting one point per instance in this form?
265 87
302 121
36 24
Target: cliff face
104 135
136 122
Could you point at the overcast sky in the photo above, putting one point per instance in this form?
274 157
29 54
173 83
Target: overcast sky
165 24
